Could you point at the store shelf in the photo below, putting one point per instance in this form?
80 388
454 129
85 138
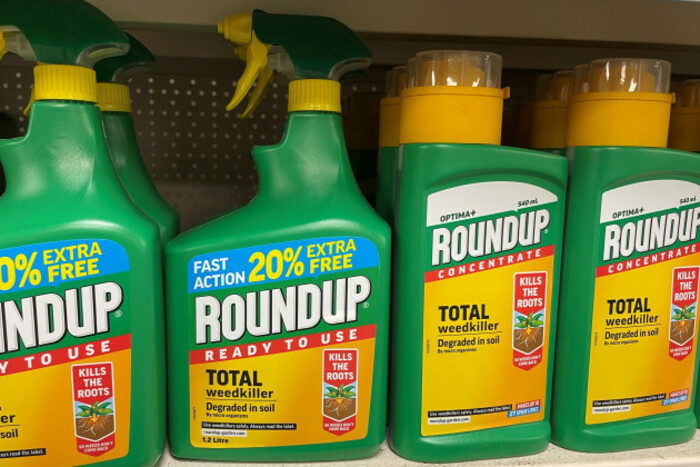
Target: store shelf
640 21
537 34
682 455
205 43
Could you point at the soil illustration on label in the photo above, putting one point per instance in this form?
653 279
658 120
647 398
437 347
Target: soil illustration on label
682 324
94 422
528 334
339 402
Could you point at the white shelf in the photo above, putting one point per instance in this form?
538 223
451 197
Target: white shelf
687 454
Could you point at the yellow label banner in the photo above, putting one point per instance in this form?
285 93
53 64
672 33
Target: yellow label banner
642 359
486 333
311 389
73 412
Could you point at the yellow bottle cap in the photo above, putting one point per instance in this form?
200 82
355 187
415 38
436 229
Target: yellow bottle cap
554 87
395 81
549 112
620 102
684 129
318 95
64 82
453 96
3 50
389 117
390 107
581 82
113 97
689 94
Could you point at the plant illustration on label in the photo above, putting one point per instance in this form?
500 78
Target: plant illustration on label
340 385
684 302
93 399
529 318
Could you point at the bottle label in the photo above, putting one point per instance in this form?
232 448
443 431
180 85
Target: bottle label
281 346
65 353
488 289
643 338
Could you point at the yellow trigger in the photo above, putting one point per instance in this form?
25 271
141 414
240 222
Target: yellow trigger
26 110
3 51
264 82
256 61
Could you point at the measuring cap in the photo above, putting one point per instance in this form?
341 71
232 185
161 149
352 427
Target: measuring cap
390 107
620 102
684 128
549 111
453 96
395 81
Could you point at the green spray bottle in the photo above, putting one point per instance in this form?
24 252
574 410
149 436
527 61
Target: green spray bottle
81 320
388 159
278 311
478 246
626 363
115 103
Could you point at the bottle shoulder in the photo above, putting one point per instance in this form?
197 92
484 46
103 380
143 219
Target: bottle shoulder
126 225
596 169
432 163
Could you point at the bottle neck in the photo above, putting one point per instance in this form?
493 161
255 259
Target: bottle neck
62 154
310 162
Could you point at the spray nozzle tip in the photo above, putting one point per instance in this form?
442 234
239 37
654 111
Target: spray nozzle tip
237 28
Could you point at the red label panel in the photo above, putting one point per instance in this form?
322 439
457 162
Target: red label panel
684 300
340 390
529 318
93 400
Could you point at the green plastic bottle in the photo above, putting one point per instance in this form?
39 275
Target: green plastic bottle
388 165
549 112
82 374
478 247
115 103
683 134
278 311
626 363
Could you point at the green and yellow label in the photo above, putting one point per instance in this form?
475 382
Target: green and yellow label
487 306
65 353
282 343
643 340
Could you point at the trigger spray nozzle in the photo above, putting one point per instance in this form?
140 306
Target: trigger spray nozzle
238 29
